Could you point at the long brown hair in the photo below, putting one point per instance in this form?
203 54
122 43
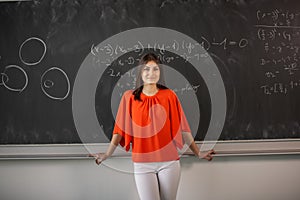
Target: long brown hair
139 81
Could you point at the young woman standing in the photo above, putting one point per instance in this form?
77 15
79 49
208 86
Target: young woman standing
151 121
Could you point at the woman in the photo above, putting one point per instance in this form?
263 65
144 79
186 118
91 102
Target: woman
151 121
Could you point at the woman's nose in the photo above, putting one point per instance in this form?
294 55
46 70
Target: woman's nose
150 72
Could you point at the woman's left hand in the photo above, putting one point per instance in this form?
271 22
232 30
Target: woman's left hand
208 155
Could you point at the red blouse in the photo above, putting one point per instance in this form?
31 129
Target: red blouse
153 126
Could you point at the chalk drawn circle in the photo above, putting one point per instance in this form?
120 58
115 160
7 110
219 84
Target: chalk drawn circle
48 84
6 78
3 74
89 73
42 56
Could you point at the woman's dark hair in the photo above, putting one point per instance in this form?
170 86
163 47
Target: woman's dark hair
139 81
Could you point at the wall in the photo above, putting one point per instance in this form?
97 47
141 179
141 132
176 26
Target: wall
226 178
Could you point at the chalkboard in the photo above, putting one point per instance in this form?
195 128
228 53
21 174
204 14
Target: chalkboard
254 45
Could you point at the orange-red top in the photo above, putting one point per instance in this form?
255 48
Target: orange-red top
153 126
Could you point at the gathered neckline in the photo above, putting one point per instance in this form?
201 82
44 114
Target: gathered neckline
151 96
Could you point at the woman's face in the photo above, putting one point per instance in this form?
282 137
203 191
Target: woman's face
150 73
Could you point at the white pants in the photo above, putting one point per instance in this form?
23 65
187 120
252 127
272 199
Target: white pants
157 180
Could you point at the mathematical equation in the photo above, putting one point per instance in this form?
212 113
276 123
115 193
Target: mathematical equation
281 48
188 48
188 51
128 82
46 82
278 17
278 34
280 88
289 64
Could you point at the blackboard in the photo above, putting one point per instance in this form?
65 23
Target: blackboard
254 45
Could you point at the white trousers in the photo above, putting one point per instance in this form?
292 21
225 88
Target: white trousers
157 180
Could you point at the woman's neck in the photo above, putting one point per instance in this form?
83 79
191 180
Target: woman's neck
150 89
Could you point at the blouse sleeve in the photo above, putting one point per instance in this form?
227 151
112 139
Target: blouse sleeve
123 122
179 122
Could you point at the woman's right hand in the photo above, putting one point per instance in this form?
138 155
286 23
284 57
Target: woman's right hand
207 155
99 157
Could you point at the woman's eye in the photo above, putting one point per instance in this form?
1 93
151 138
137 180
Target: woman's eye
146 69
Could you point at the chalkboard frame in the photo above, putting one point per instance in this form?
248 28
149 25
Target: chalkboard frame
81 151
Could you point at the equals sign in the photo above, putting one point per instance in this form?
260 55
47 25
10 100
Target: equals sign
232 43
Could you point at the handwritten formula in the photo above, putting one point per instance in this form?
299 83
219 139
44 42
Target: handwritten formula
278 34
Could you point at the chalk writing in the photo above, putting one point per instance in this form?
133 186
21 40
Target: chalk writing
280 60
188 87
187 51
281 48
278 33
271 33
289 64
272 74
278 17
188 47
226 43
113 73
280 88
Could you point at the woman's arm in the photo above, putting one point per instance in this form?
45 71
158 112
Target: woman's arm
100 157
189 140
